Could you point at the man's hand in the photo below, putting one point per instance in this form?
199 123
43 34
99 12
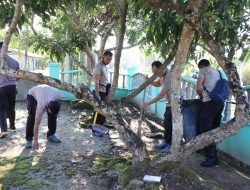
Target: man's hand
146 78
35 145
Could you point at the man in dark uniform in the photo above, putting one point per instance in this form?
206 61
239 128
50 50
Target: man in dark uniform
8 97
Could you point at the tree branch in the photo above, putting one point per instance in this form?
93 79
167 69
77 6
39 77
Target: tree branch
166 4
77 25
104 39
211 137
152 78
230 69
118 52
111 111
32 23
10 31
130 46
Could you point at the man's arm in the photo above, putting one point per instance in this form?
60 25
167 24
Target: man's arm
36 130
154 83
156 99
96 79
199 87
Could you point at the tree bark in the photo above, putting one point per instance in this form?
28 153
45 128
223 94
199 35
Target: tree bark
119 49
10 31
104 39
191 18
152 78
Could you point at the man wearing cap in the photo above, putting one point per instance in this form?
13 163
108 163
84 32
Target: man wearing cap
8 97
42 98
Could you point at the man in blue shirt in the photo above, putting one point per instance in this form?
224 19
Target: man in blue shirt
8 97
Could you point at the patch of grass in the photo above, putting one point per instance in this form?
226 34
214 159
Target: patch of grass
69 172
32 184
35 168
7 167
13 172
79 104
104 164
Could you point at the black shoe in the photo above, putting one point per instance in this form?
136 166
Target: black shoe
210 162
12 129
201 152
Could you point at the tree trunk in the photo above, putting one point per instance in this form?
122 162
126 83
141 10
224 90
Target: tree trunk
10 31
119 49
26 63
191 18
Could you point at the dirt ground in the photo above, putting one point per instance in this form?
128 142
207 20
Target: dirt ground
66 165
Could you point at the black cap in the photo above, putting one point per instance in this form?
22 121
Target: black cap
1 44
54 107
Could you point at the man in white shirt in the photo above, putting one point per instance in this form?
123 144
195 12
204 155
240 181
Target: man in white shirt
210 115
40 99
102 85
165 82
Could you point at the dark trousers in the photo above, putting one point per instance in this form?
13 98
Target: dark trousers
31 106
100 118
210 118
7 106
168 125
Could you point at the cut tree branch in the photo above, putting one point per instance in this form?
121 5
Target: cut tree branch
166 4
111 111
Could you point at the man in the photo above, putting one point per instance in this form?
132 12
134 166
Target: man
210 116
165 82
8 97
101 82
42 98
